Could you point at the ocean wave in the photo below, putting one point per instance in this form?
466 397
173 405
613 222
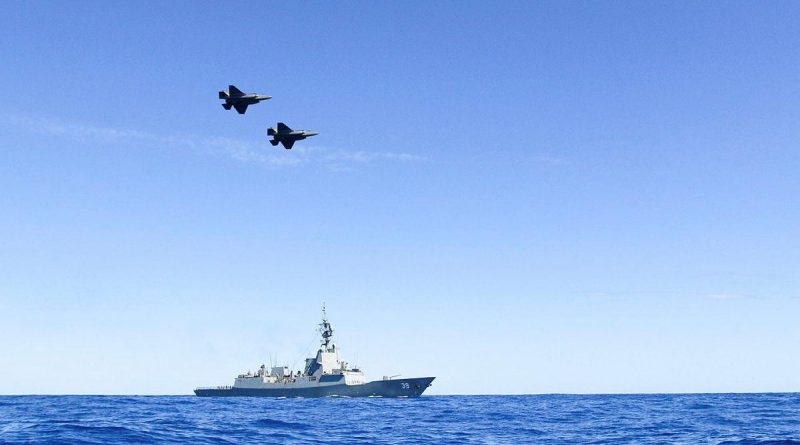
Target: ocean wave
723 419
275 423
761 442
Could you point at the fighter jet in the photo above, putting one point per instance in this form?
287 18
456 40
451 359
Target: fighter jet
237 99
286 136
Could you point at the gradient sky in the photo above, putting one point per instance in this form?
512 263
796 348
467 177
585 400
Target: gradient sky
515 197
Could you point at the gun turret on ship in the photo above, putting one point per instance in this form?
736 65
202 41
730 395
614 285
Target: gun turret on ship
325 375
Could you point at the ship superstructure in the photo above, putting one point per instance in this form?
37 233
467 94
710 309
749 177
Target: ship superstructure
324 375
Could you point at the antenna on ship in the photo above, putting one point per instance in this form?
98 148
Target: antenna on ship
325 329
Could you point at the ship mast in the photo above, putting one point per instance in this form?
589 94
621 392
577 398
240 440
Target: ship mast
326 331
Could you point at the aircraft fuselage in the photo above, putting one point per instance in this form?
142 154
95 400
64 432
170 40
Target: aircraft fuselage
250 99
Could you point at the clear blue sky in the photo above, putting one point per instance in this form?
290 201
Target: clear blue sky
513 197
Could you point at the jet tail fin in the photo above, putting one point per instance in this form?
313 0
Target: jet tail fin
226 106
223 94
273 142
271 131
233 91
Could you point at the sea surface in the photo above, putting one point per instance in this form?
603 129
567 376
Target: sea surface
730 419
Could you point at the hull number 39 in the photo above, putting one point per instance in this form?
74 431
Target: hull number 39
405 385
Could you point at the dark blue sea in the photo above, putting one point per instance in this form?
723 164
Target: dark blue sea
740 419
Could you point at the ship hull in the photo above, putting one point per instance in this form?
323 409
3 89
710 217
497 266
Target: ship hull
379 388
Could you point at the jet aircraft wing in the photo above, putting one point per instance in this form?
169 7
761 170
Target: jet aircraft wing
240 108
233 91
288 144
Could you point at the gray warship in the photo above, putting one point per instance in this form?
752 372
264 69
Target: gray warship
325 375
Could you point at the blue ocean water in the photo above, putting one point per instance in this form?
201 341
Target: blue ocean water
730 419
